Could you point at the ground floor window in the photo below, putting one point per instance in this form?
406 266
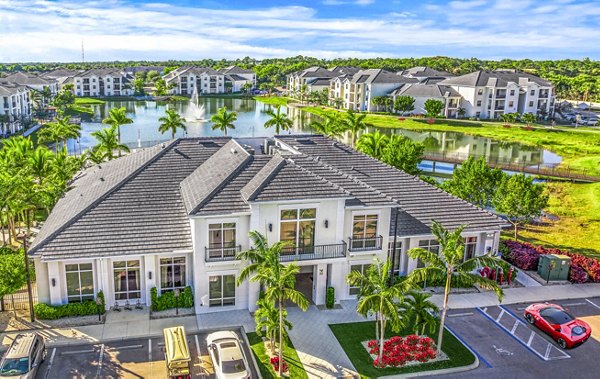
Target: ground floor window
430 245
221 290
172 273
396 256
362 269
127 280
470 247
80 282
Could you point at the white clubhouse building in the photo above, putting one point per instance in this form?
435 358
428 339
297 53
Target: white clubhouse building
176 214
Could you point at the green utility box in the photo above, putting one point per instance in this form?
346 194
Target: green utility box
554 267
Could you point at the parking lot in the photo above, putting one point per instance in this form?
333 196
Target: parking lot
133 358
521 354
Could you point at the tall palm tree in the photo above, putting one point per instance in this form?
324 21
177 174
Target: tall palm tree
223 120
278 120
354 123
117 117
372 144
171 122
450 266
108 143
331 125
40 162
267 319
376 295
59 130
420 310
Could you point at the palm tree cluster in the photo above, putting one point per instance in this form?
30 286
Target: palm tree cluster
396 150
61 130
30 179
400 303
278 282
335 124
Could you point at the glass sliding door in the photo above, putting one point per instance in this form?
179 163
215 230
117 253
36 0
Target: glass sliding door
80 282
297 226
127 280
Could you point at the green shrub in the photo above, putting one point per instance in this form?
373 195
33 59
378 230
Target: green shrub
167 300
330 297
54 312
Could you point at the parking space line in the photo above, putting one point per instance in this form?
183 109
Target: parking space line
500 315
130 347
461 314
100 359
481 358
197 346
50 362
530 338
514 327
149 349
595 305
572 304
74 352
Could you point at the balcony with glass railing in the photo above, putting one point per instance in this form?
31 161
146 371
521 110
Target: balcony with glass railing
360 244
221 253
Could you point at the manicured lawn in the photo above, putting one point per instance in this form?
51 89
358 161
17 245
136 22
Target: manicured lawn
577 229
351 335
273 100
262 358
87 101
76 110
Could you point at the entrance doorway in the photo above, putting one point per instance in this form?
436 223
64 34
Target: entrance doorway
304 282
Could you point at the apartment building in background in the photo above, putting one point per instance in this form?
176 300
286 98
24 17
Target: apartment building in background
99 82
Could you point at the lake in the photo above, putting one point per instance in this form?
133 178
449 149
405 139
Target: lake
250 123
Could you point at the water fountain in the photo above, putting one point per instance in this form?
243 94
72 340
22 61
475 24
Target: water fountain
195 111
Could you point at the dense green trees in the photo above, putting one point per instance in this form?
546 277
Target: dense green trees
404 104
433 107
12 271
397 150
474 181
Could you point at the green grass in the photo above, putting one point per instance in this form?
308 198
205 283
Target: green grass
577 229
274 100
262 359
77 110
87 101
351 335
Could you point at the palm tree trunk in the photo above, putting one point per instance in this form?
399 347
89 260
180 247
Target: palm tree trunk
516 231
377 326
382 339
280 336
444 309
119 137
417 319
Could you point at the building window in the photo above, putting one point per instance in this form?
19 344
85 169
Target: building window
298 226
470 247
80 282
364 231
480 91
531 103
127 280
512 92
532 92
477 114
362 269
395 255
221 290
172 273
478 103
429 245
221 240
511 104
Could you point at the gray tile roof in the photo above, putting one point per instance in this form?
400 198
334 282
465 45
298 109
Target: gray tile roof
236 70
421 201
423 71
499 78
131 205
23 78
426 90
210 176
380 76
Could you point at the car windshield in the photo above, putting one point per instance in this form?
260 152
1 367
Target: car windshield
14 366
234 366
556 316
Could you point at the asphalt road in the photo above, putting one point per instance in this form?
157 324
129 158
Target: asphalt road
503 356
132 358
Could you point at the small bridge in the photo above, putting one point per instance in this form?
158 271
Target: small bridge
580 175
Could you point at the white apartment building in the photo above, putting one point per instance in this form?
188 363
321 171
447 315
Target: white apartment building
339 210
490 94
102 82
316 78
422 92
185 79
32 81
236 77
15 106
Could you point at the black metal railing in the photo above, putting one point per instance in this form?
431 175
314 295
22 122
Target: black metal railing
220 253
306 253
365 244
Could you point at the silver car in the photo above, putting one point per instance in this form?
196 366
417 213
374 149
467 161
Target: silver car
228 357
24 356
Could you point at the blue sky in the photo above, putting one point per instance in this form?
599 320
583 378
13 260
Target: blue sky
52 30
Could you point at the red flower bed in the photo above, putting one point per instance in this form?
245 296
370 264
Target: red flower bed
398 351
431 121
401 118
275 363
526 256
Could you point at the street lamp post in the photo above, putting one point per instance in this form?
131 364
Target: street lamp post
24 239
176 293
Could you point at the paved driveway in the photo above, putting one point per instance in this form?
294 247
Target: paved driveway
503 356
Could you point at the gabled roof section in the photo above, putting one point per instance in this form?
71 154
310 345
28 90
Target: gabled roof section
426 90
251 189
24 78
498 78
236 70
202 184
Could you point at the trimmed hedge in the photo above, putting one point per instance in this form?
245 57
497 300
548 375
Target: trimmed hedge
54 312
330 297
167 300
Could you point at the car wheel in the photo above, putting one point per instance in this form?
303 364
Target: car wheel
529 318
561 343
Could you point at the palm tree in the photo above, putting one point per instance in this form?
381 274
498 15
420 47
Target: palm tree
330 125
117 117
278 120
354 123
108 143
267 318
450 266
57 131
40 162
378 296
223 120
171 122
372 144
420 310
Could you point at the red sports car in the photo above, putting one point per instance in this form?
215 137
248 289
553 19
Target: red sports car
559 324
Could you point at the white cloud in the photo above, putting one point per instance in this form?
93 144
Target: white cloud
461 5
346 2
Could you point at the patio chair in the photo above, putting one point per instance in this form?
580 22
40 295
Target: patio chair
127 307
116 307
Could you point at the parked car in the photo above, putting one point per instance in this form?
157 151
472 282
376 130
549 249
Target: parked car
559 324
228 357
24 356
592 122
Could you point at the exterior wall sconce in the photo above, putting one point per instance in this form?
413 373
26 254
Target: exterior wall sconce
270 227
326 224
53 282
149 275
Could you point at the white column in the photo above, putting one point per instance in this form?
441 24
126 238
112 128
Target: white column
481 238
338 280
41 275
150 270
412 263
54 276
319 284
253 292
404 256
106 277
